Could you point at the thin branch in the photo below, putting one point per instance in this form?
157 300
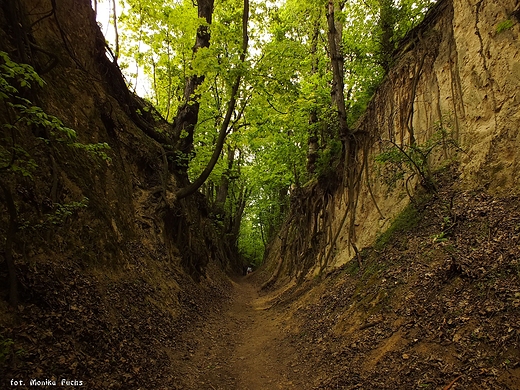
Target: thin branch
114 18
274 108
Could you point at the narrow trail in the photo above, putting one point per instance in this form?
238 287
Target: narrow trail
244 346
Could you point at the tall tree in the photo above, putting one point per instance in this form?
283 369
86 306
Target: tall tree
313 68
335 38
188 113
313 141
387 15
116 32
191 188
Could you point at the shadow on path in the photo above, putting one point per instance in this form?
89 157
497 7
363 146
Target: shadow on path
243 346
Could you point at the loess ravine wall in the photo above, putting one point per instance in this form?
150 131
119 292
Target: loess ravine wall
130 204
456 74
107 288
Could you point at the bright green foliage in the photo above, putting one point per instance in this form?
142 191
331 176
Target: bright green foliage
22 73
251 244
159 37
98 150
286 81
57 217
409 160
13 157
328 158
505 25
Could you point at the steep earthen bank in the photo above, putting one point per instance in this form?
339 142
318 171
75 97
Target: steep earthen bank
453 95
110 269
394 280
435 303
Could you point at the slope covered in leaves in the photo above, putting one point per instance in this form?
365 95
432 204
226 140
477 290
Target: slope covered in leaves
436 300
109 330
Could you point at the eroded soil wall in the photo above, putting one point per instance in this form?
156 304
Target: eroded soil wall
110 270
454 89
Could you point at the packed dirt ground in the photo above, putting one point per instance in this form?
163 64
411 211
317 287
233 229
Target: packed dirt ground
242 346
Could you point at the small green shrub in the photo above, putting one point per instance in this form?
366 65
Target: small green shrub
505 25
15 80
400 161
328 158
5 348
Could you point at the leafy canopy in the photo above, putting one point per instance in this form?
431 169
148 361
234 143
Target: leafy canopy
284 100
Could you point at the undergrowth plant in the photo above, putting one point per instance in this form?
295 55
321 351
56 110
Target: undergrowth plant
15 81
404 162
5 348
505 25
28 133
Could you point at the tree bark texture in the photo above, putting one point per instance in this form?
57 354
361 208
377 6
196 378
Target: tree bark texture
313 145
336 56
188 113
386 24
223 188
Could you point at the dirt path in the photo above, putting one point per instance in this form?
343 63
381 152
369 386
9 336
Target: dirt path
244 347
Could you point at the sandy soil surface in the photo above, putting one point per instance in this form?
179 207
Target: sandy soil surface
242 346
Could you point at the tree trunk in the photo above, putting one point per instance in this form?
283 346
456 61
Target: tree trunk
114 17
336 57
223 188
188 113
17 22
239 212
193 187
386 25
313 145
